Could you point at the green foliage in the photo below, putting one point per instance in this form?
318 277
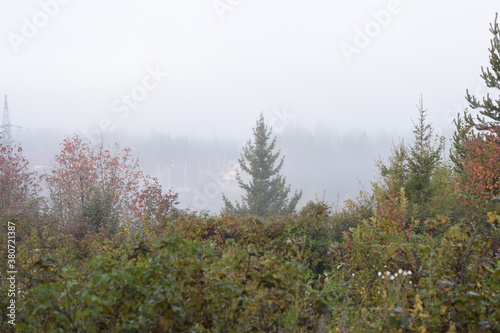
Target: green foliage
244 274
476 148
423 160
411 257
489 109
305 237
173 286
452 285
266 194
429 183
459 144
396 172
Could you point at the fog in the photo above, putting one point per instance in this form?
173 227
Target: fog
183 82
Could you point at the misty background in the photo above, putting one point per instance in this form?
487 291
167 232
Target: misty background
182 83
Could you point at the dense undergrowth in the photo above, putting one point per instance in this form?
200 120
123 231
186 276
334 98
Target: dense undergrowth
304 272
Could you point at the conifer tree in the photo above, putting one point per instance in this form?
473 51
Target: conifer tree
414 168
266 193
489 108
476 151
459 144
467 126
397 169
423 160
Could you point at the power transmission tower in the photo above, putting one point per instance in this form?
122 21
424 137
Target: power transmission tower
6 125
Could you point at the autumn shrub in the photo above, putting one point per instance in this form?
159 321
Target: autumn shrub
168 287
353 212
451 285
103 187
19 189
479 180
305 237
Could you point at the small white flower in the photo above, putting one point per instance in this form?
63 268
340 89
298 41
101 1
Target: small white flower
379 274
392 277
405 273
410 282
409 272
353 274
396 274
400 271
387 273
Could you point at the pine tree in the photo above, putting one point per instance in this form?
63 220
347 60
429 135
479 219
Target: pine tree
396 172
266 192
459 144
476 143
489 109
414 168
423 160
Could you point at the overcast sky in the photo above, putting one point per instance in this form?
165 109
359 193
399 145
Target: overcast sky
349 65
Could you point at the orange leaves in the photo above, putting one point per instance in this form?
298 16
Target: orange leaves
101 185
18 186
391 207
480 180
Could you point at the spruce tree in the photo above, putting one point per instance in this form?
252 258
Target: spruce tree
266 193
396 172
476 139
423 160
467 126
459 144
414 167
489 108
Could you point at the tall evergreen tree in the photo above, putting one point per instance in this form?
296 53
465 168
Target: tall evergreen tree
266 192
423 160
467 126
396 172
415 168
489 108
459 144
476 141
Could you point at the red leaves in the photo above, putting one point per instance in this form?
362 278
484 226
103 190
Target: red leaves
480 180
108 182
18 186
391 207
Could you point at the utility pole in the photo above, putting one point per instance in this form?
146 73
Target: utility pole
6 125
